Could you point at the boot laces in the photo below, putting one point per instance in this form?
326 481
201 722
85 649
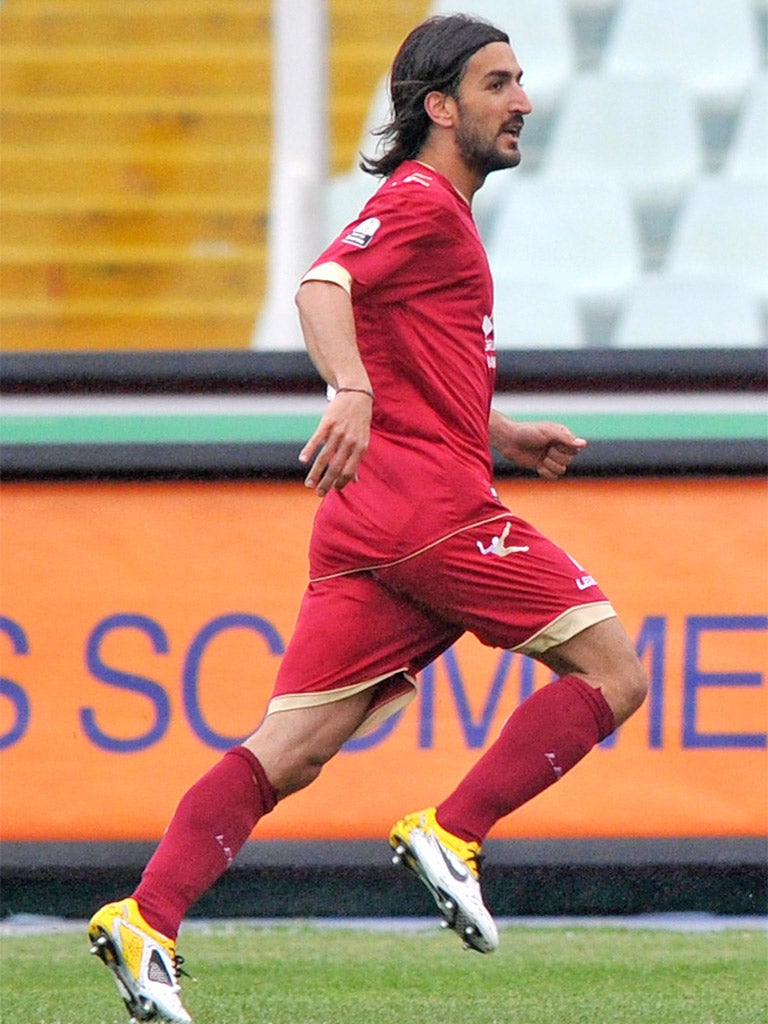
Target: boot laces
178 969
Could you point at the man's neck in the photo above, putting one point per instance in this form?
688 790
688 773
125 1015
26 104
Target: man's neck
452 167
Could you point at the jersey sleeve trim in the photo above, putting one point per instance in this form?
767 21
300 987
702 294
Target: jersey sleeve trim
332 272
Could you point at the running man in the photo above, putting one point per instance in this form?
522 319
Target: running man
411 546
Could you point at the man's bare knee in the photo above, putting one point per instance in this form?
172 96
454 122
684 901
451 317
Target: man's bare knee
291 763
624 687
632 689
292 778
604 657
293 745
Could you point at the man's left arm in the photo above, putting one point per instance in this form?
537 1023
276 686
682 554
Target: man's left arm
548 448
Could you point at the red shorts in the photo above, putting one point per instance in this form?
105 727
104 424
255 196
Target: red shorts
503 581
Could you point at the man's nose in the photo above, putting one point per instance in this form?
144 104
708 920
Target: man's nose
520 102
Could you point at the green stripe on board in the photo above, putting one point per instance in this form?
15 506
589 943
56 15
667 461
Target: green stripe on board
664 426
162 429
223 429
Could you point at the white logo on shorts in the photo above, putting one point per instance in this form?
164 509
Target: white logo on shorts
498 546
585 582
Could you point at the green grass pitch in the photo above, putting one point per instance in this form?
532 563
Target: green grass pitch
305 974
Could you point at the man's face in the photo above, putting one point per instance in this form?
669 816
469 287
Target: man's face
491 105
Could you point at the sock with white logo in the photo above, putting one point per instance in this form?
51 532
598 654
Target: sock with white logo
543 739
211 823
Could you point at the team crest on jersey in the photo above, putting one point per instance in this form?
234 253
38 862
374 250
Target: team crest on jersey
362 234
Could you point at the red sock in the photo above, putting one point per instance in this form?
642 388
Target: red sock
545 737
213 820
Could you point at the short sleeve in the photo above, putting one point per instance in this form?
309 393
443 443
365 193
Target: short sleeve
390 251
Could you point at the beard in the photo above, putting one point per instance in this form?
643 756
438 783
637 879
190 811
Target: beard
481 153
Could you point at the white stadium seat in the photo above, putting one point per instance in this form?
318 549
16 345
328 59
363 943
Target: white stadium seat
379 114
723 230
580 236
711 46
486 201
345 195
665 311
593 7
534 315
541 36
748 153
642 131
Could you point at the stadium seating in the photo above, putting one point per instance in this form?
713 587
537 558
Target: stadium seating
611 126
580 234
134 175
535 314
668 311
487 202
345 196
723 231
378 114
748 154
136 163
579 237
710 46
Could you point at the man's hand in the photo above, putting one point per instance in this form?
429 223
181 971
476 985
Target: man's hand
547 448
339 443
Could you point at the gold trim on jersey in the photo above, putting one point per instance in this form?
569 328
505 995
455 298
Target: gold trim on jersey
331 272
413 554
380 712
567 625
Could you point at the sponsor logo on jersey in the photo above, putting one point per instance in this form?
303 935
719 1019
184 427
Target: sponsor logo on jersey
362 233
490 342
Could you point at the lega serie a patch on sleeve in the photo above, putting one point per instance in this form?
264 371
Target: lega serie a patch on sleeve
362 234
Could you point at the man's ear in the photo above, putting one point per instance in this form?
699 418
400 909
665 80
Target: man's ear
441 108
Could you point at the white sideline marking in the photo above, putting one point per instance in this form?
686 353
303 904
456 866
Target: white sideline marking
39 924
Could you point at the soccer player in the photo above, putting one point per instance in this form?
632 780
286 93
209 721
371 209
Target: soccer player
411 546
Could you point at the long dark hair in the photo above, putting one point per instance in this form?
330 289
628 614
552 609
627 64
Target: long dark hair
433 57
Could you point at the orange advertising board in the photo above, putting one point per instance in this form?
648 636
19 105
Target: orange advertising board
141 625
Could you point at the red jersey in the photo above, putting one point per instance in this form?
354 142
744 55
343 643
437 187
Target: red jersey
422 298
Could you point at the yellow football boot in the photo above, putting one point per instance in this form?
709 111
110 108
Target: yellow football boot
144 963
450 868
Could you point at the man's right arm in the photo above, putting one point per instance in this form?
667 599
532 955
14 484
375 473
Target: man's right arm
328 325
341 439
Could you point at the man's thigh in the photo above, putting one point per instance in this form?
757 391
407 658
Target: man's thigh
354 634
505 582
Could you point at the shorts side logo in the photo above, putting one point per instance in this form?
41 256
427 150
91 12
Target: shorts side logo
499 547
